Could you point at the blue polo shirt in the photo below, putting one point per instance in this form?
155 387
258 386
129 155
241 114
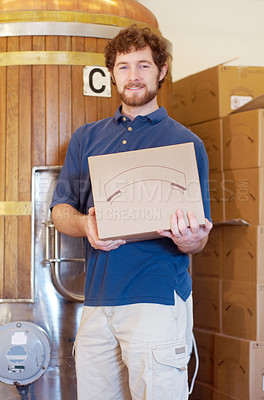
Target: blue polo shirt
137 272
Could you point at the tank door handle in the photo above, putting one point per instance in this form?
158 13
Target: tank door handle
55 273
50 244
54 260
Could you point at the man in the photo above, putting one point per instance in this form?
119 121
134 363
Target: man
135 334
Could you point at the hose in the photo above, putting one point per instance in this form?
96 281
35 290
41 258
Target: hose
23 391
32 392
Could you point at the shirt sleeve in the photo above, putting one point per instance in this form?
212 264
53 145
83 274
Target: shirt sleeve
203 169
67 187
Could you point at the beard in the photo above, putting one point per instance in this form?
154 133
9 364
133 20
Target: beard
139 100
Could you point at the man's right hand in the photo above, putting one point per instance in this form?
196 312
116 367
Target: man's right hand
71 222
92 234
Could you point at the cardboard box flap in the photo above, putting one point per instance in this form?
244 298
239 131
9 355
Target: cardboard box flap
233 222
256 103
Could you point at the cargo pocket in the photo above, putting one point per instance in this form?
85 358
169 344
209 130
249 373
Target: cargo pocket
170 374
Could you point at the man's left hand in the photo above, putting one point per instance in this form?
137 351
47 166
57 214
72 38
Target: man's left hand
190 239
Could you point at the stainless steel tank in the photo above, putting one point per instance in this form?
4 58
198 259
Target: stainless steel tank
59 278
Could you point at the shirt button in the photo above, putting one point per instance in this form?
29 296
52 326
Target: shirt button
124 118
124 141
129 128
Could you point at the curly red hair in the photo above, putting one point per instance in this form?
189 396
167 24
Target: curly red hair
136 38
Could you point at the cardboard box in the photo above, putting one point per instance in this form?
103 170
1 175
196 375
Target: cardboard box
205 345
239 367
179 102
243 139
215 92
242 309
211 133
243 253
136 192
207 303
244 190
201 392
208 263
217 196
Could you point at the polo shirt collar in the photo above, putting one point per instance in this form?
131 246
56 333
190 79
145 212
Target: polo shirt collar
154 117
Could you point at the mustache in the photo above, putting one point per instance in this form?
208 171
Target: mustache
134 85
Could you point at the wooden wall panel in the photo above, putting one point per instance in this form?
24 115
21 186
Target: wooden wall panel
2 255
11 258
105 108
52 83
65 101
11 223
24 126
24 257
24 173
90 102
3 46
77 87
2 122
12 126
38 107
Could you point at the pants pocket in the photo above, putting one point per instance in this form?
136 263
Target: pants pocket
170 374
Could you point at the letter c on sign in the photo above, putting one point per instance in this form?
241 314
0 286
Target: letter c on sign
91 80
96 81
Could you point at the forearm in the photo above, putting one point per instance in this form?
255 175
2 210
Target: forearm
68 220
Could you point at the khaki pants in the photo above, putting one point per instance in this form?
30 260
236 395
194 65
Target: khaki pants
134 352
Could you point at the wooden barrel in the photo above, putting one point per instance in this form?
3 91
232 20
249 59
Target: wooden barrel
44 47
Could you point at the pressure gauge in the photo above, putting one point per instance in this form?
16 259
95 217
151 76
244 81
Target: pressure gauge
25 352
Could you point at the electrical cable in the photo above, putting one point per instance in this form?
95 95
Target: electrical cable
196 364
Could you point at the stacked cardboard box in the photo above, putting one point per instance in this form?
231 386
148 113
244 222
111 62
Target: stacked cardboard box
229 332
211 133
215 92
243 155
201 102
228 276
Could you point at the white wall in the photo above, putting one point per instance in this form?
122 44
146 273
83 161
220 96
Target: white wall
205 33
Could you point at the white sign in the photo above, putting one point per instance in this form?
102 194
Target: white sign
239 101
19 338
96 81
